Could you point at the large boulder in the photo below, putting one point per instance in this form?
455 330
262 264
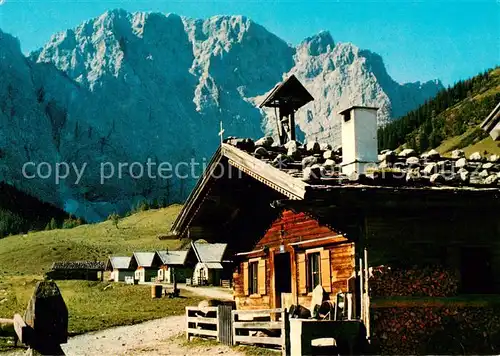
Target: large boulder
309 161
407 152
476 156
456 154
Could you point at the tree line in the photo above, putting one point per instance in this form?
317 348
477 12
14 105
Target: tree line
450 113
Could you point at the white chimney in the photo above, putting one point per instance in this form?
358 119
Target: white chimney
359 139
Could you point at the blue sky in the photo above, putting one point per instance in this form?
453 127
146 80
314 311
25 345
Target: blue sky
449 40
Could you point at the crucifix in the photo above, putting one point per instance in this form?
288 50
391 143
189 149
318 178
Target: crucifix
221 133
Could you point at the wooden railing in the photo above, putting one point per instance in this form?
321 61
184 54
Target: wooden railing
273 322
210 322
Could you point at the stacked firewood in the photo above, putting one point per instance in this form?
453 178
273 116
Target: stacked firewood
435 330
417 282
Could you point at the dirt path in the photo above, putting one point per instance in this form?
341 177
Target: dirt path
153 337
209 292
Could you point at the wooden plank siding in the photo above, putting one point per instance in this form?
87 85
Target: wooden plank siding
298 233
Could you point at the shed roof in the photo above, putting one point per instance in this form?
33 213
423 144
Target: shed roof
72 265
144 259
290 92
213 265
206 252
173 257
118 262
491 122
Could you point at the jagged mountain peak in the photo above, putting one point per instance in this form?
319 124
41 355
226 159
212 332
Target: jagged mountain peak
318 44
125 87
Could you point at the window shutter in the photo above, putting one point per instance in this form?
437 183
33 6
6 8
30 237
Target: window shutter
326 279
301 262
246 280
261 279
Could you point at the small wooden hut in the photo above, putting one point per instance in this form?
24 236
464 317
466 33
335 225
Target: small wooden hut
212 267
86 270
119 266
145 266
175 266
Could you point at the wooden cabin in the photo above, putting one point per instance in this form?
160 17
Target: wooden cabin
85 270
119 266
211 267
145 266
175 266
296 216
492 123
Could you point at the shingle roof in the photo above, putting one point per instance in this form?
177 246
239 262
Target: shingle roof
119 262
68 265
209 252
173 257
144 259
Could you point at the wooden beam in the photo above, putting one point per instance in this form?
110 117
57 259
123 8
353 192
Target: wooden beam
280 181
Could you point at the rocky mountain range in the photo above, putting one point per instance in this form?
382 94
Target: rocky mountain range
137 87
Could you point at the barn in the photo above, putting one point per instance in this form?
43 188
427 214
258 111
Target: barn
119 267
86 270
356 223
212 267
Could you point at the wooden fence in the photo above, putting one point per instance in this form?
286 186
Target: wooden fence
273 323
210 322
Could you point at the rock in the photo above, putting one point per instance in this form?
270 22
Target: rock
292 149
328 154
407 152
461 163
266 142
329 164
437 178
311 173
325 146
412 161
313 147
383 165
430 169
309 161
483 174
464 175
456 154
261 152
494 158
432 154
487 165
383 152
281 161
492 179
476 156
413 174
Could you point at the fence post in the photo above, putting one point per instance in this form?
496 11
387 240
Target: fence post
285 332
224 324
234 318
187 324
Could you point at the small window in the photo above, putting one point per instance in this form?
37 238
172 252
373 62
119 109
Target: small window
253 282
313 273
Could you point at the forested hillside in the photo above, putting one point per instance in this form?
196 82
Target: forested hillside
449 120
20 213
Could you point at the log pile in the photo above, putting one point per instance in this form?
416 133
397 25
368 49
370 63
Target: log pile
417 282
436 330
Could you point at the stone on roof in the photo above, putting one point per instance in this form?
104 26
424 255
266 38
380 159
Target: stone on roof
71 265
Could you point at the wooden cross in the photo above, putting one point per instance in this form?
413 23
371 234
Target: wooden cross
221 133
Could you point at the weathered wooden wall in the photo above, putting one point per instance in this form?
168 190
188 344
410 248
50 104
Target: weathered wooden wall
337 259
432 238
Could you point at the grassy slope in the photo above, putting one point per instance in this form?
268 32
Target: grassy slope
32 254
25 258
474 139
463 141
